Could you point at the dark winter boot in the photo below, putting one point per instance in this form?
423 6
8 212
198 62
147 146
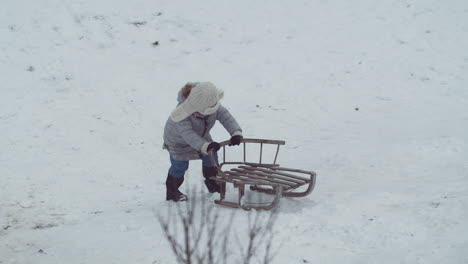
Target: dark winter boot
211 184
172 189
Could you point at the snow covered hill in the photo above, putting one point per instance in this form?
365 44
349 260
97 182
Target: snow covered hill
372 95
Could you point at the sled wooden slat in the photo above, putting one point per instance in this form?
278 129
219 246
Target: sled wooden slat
244 151
248 175
276 155
261 152
262 177
268 177
272 176
264 165
238 179
243 179
273 171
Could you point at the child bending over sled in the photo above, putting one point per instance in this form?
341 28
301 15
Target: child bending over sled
187 135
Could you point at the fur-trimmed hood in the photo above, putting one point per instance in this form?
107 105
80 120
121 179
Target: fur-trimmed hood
204 98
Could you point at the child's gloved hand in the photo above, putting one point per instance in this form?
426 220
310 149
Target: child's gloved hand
214 146
235 140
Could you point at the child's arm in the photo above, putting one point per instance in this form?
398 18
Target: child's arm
184 128
228 121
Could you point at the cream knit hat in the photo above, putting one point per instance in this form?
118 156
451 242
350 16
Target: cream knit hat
204 98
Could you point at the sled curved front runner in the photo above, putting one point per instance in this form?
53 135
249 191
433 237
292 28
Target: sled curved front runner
262 177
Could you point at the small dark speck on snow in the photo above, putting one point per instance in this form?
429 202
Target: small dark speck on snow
44 226
98 17
138 23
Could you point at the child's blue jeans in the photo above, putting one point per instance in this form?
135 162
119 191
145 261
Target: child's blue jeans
179 167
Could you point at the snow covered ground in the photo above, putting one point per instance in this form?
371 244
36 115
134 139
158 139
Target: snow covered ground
372 95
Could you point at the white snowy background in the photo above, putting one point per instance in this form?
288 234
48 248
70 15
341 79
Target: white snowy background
371 95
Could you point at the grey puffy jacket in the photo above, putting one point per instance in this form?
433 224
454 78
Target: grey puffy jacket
184 140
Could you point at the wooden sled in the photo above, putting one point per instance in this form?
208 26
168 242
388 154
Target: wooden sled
262 177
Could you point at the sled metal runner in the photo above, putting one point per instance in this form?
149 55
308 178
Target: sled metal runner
268 178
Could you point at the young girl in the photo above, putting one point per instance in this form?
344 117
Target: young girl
187 135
